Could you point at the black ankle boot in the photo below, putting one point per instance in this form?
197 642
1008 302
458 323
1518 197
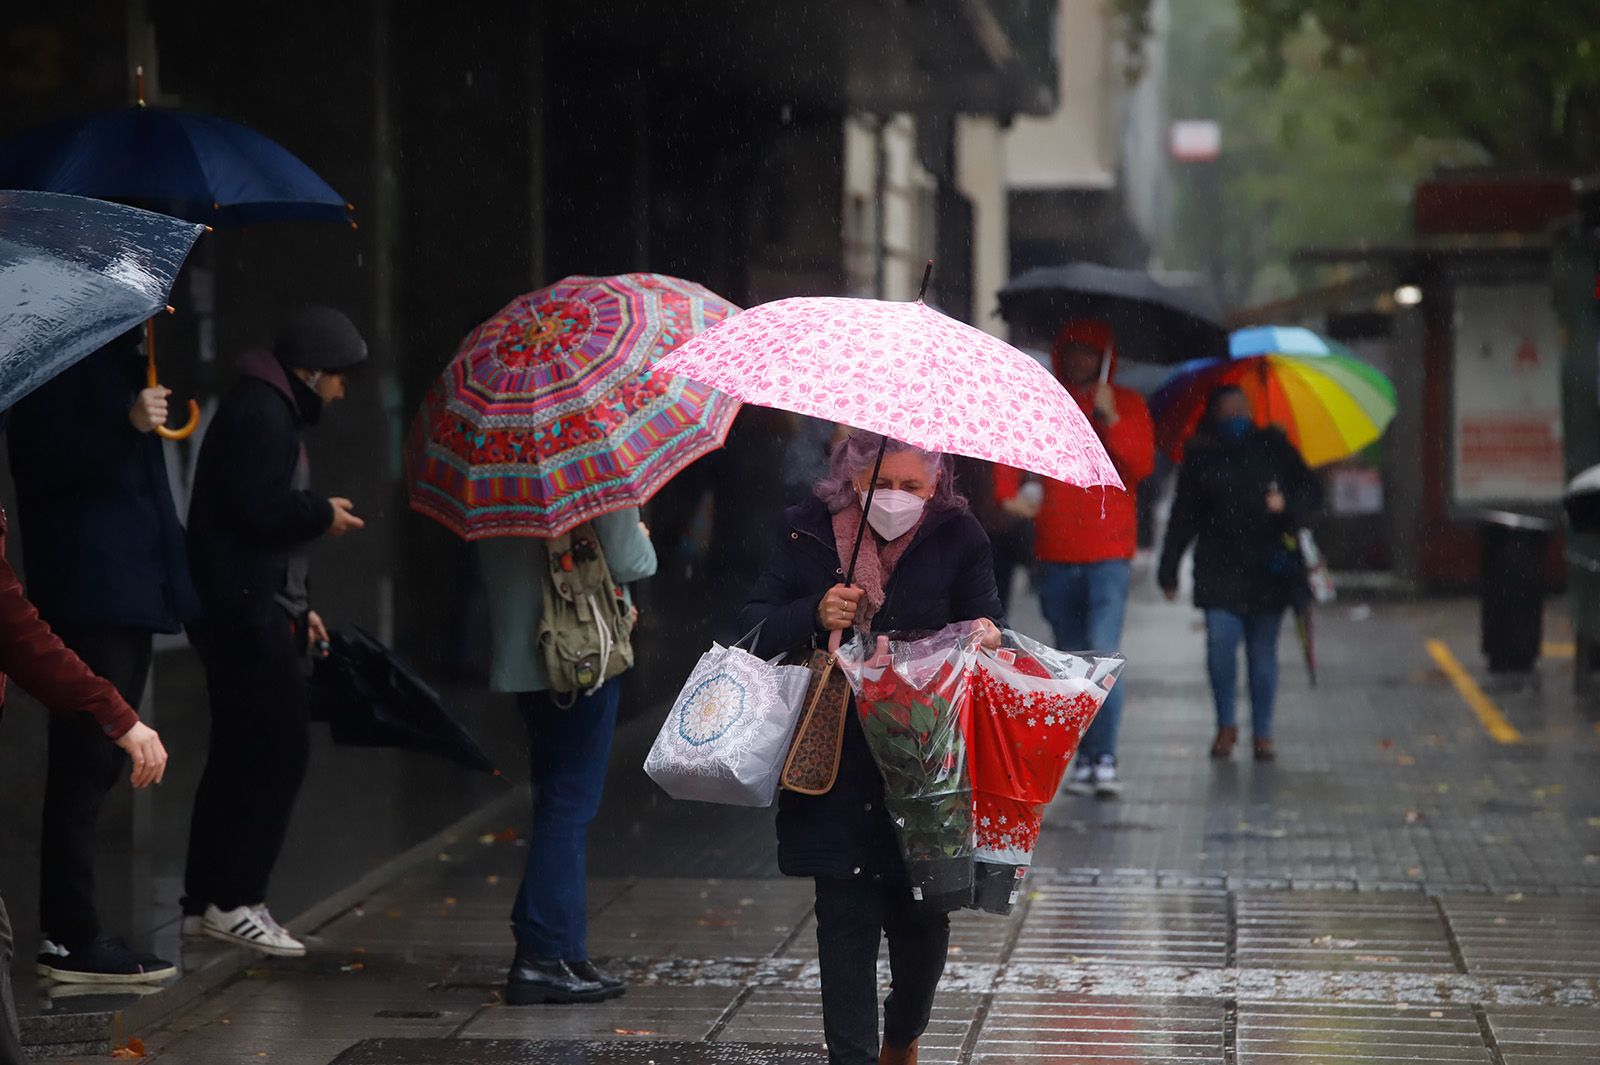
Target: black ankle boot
536 980
586 970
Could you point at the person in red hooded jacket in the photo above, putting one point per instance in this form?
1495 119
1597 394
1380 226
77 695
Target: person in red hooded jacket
1085 538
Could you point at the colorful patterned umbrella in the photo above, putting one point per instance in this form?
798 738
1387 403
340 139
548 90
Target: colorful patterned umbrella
550 416
1330 403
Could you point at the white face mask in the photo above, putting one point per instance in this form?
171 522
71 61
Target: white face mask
893 512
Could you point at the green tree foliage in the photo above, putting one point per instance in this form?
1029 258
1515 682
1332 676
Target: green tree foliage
1518 78
1311 154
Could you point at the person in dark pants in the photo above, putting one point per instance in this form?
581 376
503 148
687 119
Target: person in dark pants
106 566
569 749
36 659
1243 491
925 564
251 521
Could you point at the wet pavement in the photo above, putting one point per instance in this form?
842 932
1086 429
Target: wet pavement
1406 883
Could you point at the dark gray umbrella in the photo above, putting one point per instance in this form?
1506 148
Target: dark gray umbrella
1153 322
76 273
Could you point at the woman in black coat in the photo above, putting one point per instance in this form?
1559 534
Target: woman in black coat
925 564
1243 492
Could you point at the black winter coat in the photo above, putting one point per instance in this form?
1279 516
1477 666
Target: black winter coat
247 520
1240 560
945 576
101 540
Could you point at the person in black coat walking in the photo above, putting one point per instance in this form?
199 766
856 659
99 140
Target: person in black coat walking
104 556
1243 492
925 564
252 519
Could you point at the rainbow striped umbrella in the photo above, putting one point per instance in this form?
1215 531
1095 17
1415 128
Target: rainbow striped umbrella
550 416
1330 403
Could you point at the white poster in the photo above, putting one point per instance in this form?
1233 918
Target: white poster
1507 397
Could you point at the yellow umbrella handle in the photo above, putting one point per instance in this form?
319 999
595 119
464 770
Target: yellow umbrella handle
151 382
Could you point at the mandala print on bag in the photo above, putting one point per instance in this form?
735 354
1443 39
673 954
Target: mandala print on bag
711 709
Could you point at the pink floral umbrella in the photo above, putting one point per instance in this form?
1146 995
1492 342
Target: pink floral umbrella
900 370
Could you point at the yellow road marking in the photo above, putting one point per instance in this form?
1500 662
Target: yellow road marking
1560 650
1488 714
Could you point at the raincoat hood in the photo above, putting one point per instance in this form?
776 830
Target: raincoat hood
1088 333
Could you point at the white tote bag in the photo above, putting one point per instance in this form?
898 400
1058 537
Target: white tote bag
728 732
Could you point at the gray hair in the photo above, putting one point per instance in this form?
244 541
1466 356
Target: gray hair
856 454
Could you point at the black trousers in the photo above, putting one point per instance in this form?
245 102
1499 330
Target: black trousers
83 766
10 1036
256 761
852 917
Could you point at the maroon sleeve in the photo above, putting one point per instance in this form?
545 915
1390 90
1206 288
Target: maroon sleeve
47 669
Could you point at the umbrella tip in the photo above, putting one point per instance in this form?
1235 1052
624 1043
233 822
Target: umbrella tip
927 272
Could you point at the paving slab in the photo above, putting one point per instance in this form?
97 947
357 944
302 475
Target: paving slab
548 1052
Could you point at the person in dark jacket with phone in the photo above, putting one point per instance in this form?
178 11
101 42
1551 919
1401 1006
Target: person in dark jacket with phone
45 668
925 563
1243 493
106 566
251 522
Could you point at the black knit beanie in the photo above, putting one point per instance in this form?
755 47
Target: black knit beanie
320 338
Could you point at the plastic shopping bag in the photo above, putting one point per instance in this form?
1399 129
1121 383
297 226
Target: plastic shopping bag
1031 706
728 732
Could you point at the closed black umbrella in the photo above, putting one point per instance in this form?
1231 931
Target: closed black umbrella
1153 322
1582 501
370 698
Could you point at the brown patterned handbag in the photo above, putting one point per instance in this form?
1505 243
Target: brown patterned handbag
813 762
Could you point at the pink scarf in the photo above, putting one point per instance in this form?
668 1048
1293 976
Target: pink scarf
876 564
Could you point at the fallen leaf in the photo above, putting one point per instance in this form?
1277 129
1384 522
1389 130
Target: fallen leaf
133 1048
506 835
1594 822
1405 759
1413 817
391 914
632 1031
486 839
1515 896
450 900
1386 745
492 879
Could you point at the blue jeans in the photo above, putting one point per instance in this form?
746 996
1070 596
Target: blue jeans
568 749
1085 604
1259 633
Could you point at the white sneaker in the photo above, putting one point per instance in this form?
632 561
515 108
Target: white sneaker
1104 776
253 927
1080 778
194 926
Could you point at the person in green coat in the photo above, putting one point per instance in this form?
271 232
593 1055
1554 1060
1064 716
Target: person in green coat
569 747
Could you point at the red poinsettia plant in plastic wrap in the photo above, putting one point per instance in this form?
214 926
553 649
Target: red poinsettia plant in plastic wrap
914 699
1031 705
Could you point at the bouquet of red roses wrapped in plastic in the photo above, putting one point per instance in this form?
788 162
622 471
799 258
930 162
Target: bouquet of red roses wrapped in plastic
914 698
1031 705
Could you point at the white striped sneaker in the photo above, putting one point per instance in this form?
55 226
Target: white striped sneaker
253 927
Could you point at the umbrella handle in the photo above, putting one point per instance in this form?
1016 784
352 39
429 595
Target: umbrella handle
187 430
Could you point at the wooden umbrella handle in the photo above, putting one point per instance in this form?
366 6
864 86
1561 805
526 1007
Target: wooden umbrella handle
187 430
162 431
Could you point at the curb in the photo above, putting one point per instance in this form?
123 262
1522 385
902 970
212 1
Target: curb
117 1025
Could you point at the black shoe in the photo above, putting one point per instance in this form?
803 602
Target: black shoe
536 980
585 970
104 961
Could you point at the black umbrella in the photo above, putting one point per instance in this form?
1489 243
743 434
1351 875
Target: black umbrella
1582 501
370 698
1153 323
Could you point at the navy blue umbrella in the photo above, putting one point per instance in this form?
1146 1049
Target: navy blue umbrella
74 274
192 166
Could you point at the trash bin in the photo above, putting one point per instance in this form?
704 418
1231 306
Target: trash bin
1514 551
